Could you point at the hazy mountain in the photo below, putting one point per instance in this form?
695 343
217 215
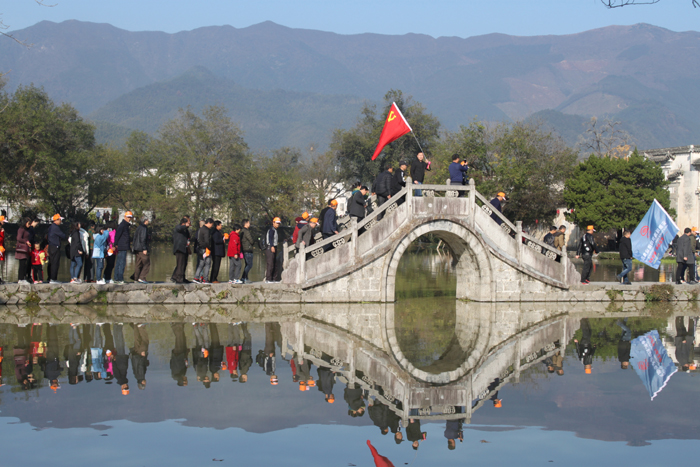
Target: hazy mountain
642 74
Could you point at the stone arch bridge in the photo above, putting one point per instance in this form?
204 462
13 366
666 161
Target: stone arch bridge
493 261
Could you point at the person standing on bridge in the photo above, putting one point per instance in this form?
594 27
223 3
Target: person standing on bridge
418 168
358 203
203 250
560 238
330 221
497 204
685 257
272 240
122 239
626 257
398 181
142 240
382 185
586 249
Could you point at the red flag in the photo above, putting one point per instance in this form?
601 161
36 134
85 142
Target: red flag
379 460
394 128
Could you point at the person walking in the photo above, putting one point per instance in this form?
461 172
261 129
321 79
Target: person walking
98 253
247 243
122 239
382 186
76 253
300 222
55 236
626 257
142 241
419 166
235 255
306 234
181 245
204 252
560 238
272 240
88 237
98 216
398 180
218 251
358 204
497 205
111 253
586 249
549 238
329 227
23 250
685 256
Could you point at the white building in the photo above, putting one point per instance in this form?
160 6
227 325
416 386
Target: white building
681 166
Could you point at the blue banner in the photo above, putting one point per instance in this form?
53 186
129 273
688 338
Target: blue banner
653 235
650 360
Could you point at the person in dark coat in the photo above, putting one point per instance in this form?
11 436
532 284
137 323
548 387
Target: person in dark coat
245 357
204 244
329 226
142 240
382 185
586 249
358 204
272 272
52 365
497 205
626 257
624 345
247 243
453 431
685 256
122 239
55 236
181 243
353 397
178 356
549 238
23 250
379 414
458 171
216 353
139 354
585 349
218 251
22 358
418 168
413 433
121 359
684 340
398 180
326 381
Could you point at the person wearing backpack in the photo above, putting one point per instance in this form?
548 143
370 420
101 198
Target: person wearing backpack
586 249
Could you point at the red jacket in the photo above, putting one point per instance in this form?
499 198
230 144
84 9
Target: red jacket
232 357
300 222
234 245
36 259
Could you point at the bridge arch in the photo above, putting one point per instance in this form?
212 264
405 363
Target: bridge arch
474 269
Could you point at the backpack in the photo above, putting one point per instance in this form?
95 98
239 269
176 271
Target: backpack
587 246
262 242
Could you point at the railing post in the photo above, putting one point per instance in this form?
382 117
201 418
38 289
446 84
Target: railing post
353 239
471 209
409 196
519 239
301 257
564 264
285 257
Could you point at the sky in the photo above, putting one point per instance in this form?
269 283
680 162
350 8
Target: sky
462 18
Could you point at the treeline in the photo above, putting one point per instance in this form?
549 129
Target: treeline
200 164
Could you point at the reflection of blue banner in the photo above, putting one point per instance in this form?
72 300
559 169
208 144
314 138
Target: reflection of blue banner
651 362
652 236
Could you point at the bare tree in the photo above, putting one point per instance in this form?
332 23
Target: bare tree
4 27
605 138
621 3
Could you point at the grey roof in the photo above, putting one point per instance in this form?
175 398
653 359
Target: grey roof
664 154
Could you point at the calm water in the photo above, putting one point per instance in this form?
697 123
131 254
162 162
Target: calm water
193 410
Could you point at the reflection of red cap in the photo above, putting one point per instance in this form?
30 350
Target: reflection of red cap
588 371
125 392
330 399
497 403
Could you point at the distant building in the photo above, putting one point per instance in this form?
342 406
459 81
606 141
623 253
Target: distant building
681 166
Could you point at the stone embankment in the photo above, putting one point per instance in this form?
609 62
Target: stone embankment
261 293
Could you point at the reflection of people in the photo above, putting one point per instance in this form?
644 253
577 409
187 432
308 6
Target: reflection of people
216 352
23 362
326 380
121 359
353 397
585 349
558 363
684 342
453 431
624 345
52 366
72 353
139 354
96 357
200 354
178 356
413 433
379 414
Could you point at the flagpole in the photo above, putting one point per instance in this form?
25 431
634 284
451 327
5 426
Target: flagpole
418 143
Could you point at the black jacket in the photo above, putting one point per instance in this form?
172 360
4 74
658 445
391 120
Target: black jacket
141 240
382 185
139 364
496 203
181 236
397 181
55 235
418 169
122 237
626 248
586 246
75 244
247 241
357 205
204 238
121 369
217 240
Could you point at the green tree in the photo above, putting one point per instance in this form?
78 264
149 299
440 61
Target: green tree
51 161
614 193
353 148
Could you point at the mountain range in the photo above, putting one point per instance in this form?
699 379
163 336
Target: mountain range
291 87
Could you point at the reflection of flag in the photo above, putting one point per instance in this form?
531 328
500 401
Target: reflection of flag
379 461
653 235
395 127
651 362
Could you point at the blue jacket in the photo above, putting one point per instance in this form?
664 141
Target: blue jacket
98 250
456 173
56 235
330 223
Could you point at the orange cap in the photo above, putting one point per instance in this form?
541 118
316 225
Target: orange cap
314 220
2 219
330 399
694 229
305 215
205 353
223 366
334 202
125 392
588 371
302 386
692 367
274 381
2 249
590 227
497 403
128 214
501 194
226 236
276 220
56 217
